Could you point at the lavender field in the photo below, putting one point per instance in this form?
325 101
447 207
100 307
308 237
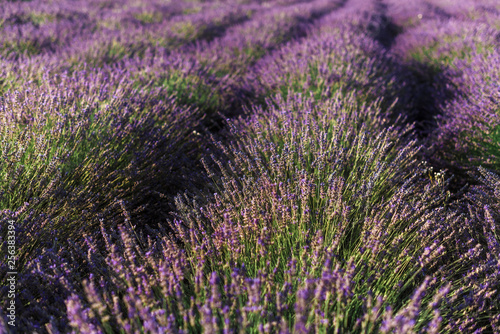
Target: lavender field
250 166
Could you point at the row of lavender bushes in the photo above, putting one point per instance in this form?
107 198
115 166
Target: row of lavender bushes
358 192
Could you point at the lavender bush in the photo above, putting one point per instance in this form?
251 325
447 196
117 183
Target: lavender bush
260 166
337 60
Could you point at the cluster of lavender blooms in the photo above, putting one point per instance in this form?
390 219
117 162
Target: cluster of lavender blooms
264 166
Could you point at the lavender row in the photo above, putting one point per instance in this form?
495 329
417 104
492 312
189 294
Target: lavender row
83 151
465 135
468 134
337 60
417 13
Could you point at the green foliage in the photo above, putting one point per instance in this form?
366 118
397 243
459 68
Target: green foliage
494 148
486 149
446 51
21 47
39 19
149 17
